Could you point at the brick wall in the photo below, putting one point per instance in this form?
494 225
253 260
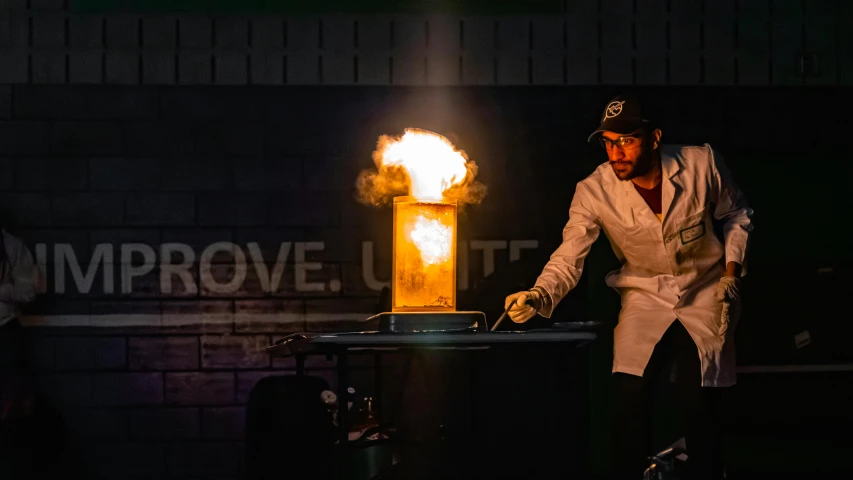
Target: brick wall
169 405
580 42
108 142
154 383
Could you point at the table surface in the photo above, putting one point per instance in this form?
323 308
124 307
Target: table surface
330 342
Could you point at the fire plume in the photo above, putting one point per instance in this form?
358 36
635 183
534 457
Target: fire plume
427 179
420 164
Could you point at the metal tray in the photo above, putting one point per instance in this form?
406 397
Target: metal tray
399 322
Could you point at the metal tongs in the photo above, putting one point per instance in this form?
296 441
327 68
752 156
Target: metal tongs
500 319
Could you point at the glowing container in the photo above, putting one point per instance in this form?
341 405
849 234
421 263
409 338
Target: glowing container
424 270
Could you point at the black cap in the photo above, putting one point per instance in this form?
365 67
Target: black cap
623 114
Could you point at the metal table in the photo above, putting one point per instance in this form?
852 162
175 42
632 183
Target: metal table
342 344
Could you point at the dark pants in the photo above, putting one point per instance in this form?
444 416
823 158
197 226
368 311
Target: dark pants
699 410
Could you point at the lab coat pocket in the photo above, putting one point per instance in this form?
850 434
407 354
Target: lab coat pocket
690 236
691 229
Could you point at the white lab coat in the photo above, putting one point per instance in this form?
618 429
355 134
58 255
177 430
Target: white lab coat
670 266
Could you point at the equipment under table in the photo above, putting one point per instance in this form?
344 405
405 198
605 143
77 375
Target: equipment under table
341 345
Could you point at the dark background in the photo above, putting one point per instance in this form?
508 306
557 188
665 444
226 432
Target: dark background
128 128
91 147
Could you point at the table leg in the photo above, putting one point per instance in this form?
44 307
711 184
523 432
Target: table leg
377 385
343 410
300 364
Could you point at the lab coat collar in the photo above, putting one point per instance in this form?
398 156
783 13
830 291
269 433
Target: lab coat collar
669 166
670 188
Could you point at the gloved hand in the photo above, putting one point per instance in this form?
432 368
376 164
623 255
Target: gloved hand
523 306
728 293
728 290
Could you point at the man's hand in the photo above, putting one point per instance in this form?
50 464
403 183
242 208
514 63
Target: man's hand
728 290
728 293
522 306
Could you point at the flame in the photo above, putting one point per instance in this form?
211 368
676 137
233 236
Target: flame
433 239
430 160
421 164
424 263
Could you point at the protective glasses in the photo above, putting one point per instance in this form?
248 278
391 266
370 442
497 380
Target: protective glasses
624 142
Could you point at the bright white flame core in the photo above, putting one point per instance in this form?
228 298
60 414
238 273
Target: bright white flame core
433 240
430 160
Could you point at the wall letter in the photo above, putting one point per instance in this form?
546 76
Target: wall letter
302 267
128 271
367 274
103 253
269 282
41 264
488 247
239 268
182 270
462 265
515 247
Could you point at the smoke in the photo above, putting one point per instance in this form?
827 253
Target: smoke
378 187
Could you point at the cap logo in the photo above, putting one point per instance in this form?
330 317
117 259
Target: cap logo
613 109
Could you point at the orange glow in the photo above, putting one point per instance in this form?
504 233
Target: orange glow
436 178
424 255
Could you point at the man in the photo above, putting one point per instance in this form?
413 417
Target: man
678 282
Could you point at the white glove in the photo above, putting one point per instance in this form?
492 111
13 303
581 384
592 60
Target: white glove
728 293
728 290
522 306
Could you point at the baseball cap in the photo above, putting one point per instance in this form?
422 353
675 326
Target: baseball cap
623 114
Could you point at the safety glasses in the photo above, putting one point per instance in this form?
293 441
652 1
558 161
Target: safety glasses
624 142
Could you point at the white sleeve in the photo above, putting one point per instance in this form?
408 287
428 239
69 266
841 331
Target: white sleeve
732 207
564 269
